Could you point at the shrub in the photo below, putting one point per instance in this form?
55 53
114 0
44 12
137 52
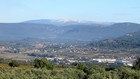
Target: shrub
14 63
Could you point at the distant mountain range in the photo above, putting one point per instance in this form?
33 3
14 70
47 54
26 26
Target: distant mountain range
65 30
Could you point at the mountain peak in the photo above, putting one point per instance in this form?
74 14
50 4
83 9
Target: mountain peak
69 20
65 22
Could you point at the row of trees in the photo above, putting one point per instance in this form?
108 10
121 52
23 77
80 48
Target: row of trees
38 63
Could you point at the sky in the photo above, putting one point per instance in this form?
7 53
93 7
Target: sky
88 10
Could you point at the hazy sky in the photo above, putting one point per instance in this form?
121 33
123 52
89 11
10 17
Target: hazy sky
92 10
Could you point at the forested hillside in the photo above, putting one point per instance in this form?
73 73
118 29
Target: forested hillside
130 40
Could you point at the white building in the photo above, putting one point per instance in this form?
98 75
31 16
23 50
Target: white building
105 60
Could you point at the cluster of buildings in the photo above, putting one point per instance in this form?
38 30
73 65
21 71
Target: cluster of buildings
62 60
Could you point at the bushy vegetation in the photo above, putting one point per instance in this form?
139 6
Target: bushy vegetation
75 71
42 74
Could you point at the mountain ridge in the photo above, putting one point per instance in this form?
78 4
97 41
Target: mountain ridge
82 32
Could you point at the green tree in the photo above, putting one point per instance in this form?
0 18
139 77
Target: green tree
136 64
43 63
80 66
14 63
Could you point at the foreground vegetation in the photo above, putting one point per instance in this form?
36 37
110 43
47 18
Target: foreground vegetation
43 69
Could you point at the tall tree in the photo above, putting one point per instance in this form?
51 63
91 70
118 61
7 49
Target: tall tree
137 64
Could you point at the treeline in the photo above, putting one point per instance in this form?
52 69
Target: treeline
43 69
